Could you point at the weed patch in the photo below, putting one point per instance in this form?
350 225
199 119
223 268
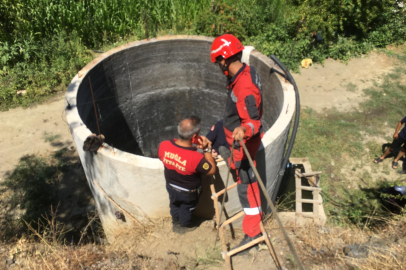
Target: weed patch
351 87
50 137
38 185
211 256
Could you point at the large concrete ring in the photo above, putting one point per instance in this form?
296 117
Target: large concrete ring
141 91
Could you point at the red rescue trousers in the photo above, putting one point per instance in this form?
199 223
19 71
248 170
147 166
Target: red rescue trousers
248 190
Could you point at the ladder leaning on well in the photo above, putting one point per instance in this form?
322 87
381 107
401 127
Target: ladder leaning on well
225 253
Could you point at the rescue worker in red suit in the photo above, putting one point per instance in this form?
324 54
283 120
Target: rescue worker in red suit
242 119
183 169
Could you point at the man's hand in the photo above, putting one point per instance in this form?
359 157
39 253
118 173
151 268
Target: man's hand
239 133
395 136
203 143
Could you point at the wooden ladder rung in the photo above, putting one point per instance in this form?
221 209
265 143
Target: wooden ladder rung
221 192
232 219
307 174
309 188
308 201
248 245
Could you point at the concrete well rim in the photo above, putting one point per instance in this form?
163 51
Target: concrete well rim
79 129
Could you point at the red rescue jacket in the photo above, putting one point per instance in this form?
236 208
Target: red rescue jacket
244 103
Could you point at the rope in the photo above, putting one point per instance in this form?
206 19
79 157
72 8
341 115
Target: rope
328 196
291 247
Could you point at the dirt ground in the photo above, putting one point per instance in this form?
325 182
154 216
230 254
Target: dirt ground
24 132
340 85
41 130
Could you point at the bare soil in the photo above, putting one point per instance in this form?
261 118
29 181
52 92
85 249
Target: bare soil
340 85
42 130
24 132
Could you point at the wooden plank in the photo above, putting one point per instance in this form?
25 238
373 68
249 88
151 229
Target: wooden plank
221 192
223 240
309 201
248 245
316 204
309 188
317 180
298 183
228 262
216 205
269 244
234 218
307 174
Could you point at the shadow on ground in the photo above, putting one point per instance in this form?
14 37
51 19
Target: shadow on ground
41 182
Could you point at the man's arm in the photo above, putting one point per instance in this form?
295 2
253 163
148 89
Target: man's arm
248 103
396 134
205 144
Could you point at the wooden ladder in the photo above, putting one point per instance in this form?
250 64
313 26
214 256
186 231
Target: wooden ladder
225 253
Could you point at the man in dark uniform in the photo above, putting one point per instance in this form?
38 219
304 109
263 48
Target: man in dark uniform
183 168
399 140
242 120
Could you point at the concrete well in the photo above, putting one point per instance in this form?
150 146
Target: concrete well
141 91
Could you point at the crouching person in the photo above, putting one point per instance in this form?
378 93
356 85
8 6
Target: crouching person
183 169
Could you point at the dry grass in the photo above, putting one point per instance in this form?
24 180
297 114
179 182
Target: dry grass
318 247
48 255
323 247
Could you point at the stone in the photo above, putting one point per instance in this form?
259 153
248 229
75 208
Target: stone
356 251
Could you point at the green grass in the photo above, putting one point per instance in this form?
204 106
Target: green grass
351 87
50 137
42 56
340 137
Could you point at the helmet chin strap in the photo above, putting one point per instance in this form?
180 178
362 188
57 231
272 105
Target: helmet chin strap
224 69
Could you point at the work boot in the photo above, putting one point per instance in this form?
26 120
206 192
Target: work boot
186 229
182 229
175 225
246 240
224 153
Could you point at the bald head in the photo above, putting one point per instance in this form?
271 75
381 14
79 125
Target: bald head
189 127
